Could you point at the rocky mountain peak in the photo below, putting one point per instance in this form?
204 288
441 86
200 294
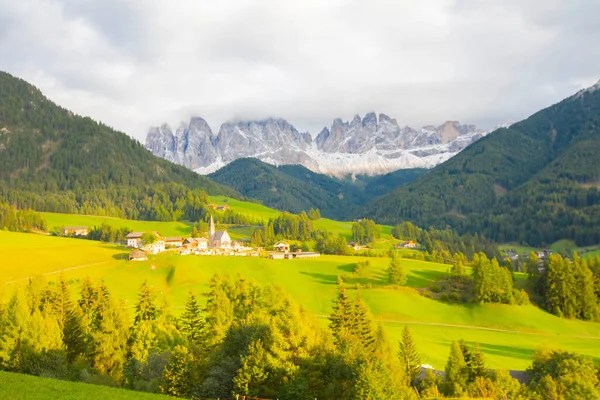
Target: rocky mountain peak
373 144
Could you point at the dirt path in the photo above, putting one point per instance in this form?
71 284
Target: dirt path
56 272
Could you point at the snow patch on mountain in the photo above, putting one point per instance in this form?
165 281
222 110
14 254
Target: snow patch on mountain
371 145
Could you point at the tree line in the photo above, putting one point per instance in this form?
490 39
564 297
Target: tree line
568 288
15 220
250 340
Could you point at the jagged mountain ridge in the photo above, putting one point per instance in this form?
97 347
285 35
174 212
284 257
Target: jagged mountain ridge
372 145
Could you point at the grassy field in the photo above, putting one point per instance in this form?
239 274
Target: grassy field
26 387
245 207
165 228
507 334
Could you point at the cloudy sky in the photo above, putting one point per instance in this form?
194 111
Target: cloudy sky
136 63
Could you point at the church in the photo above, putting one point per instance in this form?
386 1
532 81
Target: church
218 239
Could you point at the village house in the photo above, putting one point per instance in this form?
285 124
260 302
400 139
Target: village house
134 240
75 230
156 247
202 243
222 208
173 242
409 244
137 255
282 247
190 243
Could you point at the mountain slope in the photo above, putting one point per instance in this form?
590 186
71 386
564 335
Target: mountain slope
534 182
53 160
291 188
372 145
295 188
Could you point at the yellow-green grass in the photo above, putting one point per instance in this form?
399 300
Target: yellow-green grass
245 207
165 228
24 255
27 387
507 334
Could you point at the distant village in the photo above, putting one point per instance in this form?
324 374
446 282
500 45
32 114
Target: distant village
218 243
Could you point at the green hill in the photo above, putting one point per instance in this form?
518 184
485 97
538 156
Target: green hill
535 182
27 387
295 188
53 160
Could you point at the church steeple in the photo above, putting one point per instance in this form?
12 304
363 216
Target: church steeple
211 229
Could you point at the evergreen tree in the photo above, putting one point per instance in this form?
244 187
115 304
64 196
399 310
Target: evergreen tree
396 274
363 325
342 314
409 357
145 308
75 337
191 319
455 381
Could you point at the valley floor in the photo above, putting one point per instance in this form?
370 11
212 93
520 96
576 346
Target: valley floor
507 334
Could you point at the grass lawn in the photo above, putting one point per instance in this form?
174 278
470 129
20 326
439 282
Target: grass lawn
507 334
26 387
165 228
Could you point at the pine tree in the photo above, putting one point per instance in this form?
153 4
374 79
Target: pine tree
342 315
145 308
409 357
477 367
363 325
396 274
191 319
74 334
455 381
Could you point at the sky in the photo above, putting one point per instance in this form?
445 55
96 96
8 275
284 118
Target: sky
133 64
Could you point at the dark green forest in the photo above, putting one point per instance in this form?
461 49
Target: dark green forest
53 160
295 188
535 182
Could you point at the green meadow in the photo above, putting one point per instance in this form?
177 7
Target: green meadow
245 207
27 387
165 228
507 334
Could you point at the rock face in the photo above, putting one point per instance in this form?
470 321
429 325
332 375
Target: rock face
371 145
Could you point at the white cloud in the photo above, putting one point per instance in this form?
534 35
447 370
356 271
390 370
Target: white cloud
136 63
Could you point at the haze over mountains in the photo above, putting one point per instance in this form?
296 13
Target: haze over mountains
371 145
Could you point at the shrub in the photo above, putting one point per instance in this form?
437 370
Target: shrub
436 288
427 293
454 296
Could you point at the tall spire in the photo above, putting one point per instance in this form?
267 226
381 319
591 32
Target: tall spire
212 227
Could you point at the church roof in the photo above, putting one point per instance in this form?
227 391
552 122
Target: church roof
220 234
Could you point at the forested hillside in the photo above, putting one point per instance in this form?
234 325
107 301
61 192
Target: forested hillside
535 182
295 188
53 160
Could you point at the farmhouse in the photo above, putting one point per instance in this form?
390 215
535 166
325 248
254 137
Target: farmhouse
134 239
409 244
75 230
282 247
137 255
